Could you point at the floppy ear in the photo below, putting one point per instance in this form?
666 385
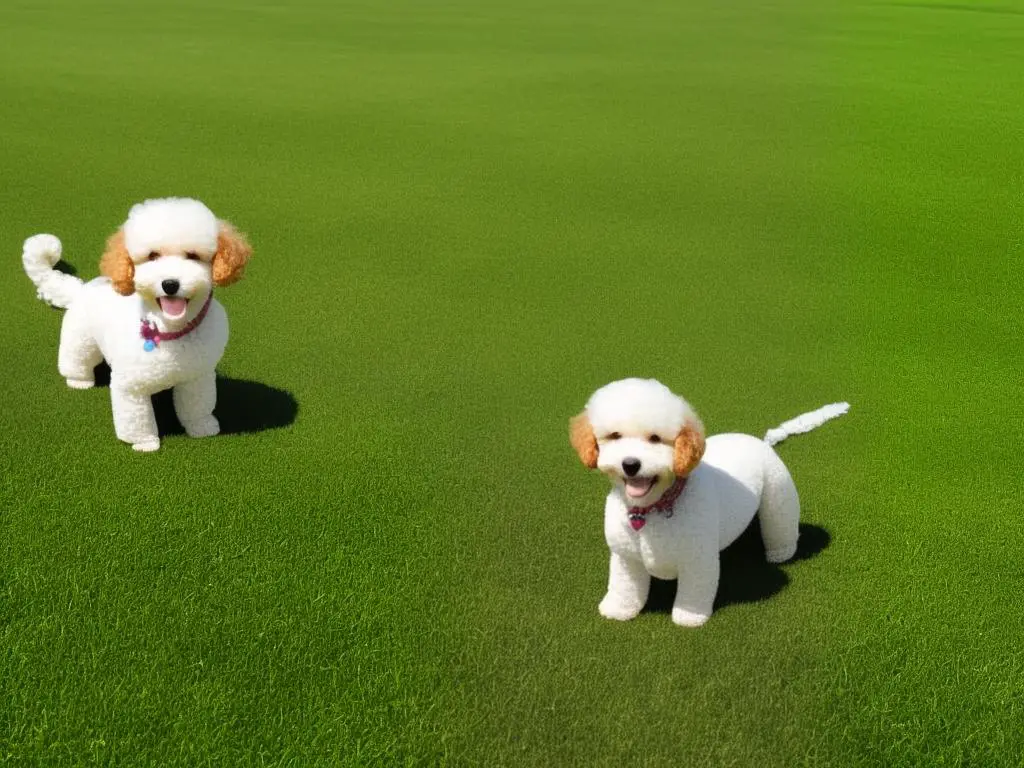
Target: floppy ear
117 265
232 255
689 448
581 435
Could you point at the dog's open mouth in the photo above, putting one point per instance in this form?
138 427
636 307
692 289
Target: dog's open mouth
637 487
173 306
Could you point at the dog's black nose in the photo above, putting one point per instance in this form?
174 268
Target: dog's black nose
170 287
630 466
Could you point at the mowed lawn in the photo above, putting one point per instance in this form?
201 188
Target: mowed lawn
467 216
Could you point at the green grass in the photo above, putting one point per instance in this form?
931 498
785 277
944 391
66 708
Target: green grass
467 216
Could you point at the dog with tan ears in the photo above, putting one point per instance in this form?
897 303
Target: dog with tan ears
678 499
151 316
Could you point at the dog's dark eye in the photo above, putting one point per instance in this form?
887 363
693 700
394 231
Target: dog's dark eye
613 436
192 256
654 439
153 255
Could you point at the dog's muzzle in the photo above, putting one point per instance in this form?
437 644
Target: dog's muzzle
172 305
636 487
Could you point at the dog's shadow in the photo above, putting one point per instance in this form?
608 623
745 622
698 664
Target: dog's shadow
746 577
243 406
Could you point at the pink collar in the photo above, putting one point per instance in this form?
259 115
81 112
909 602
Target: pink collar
153 337
638 515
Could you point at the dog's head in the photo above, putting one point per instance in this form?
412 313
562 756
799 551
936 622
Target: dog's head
641 435
172 252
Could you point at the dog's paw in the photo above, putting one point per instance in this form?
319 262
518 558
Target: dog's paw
782 554
685 618
147 446
81 383
614 609
207 427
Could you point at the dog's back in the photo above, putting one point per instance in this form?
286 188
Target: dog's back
747 476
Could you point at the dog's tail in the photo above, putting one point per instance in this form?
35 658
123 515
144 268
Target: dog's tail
805 422
40 254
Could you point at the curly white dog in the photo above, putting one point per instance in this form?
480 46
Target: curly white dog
676 499
152 315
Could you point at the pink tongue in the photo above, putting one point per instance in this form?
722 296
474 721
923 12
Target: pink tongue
173 306
638 486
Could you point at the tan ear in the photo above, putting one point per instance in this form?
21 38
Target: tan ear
689 448
581 435
233 253
117 265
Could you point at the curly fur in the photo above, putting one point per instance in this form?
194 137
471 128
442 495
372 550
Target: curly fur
646 437
688 449
581 437
160 267
233 253
116 264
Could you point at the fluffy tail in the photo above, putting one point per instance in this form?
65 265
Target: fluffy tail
805 422
40 253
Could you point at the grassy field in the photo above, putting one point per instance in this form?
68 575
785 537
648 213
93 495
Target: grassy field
467 216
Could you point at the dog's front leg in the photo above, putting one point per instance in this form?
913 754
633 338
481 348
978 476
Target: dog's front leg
134 420
697 586
194 402
628 585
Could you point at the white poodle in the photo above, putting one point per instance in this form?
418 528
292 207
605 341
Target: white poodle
152 316
676 499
